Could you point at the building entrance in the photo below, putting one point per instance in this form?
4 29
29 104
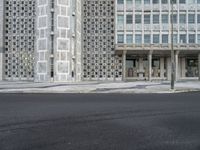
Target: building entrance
191 67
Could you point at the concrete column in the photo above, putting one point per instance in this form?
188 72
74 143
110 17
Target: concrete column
150 65
162 67
1 37
141 67
183 67
176 65
169 68
124 66
199 65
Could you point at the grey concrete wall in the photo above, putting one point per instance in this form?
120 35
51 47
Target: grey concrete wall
1 37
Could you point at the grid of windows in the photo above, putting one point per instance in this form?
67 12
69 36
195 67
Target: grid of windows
19 39
99 60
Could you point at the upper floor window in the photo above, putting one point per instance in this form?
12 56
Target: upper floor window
165 38
165 18
191 38
138 39
164 1
198 18
129 38
182 1
156 38
129 1
120 19
138 19
182 18
146 1
146 19
138 2
120 1
155 19
129 19
155 1
198 1
183 38
120 38
147 39
191 18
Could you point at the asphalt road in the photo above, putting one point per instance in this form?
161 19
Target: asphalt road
100 121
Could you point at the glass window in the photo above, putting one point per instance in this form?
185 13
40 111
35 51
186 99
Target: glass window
173 1
129 1
129 38
146 1
138 19
120 38
175 18
165 38
164 1
198 1
164 18
138 2
182 1
120 19
175 38
156 39
182 18
198 38
147 39
155 1
198 18
138 39
146 19
191 38
155 19
120 1
183 38
191 18
129 19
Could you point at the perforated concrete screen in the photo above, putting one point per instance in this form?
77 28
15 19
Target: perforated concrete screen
19 31
99 60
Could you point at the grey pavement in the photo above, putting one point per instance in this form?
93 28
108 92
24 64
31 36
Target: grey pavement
100 121
99 87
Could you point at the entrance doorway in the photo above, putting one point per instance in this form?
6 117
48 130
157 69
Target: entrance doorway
131 68
191 67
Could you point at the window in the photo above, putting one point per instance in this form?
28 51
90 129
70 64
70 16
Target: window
138 19
120 19
147 39
175 38
164 1
146 19
138 2
183 38
146 1
191 18
120 1
165 18
129 38
182 18
165 38
120 38
155 19
182 1
198 18
174 18
198 1
156 39
129 1
198 38
138 39
129 19
173 1
191 38
155 1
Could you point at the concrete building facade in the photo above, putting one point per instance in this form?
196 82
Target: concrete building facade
143 36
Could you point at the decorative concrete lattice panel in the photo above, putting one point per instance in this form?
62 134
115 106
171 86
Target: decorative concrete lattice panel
99 60
19 39
1 38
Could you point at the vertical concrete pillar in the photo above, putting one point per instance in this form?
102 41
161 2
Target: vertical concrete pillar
176 65
141 68
162 67
124 65
150 65
199 65
1 37
183 67
169 69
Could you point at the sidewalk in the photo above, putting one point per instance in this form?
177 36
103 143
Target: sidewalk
99 87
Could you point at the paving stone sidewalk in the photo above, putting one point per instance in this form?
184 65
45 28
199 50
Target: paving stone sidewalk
99 87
